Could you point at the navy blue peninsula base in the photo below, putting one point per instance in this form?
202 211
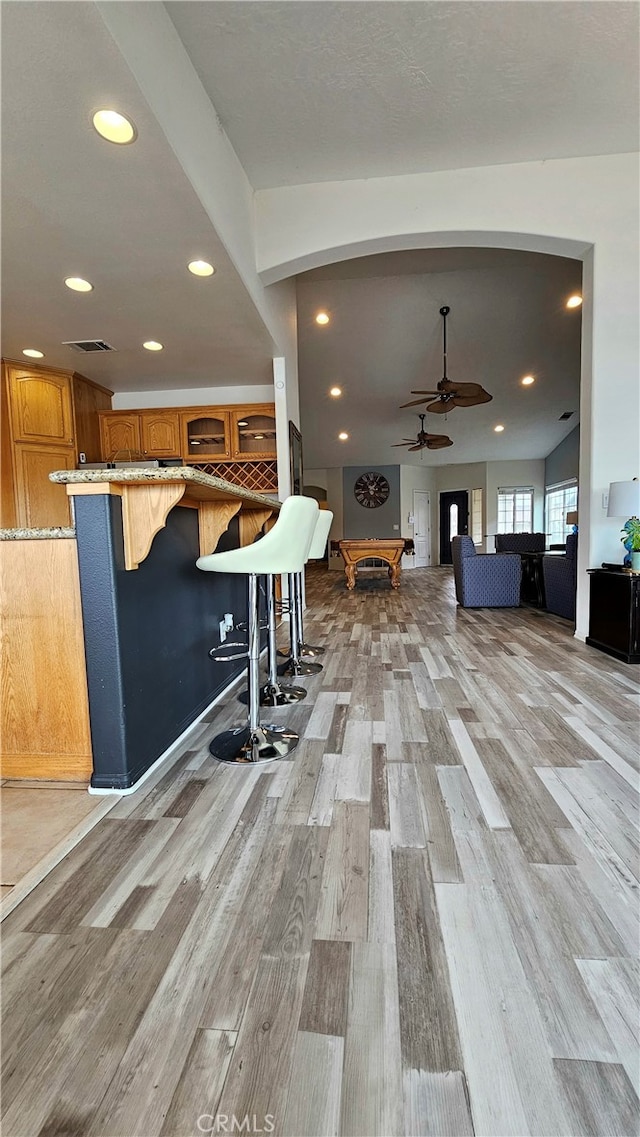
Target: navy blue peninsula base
150 616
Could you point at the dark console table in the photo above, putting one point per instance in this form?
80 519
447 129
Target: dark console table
614 613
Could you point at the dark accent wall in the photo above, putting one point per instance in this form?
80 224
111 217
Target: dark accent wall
147 636
361 522
563 462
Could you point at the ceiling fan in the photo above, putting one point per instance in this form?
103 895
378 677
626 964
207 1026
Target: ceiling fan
450 394
424 440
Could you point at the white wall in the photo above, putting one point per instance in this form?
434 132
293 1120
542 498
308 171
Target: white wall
581 207
413 478
192 397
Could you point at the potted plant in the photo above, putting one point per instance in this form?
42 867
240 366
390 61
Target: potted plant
631 541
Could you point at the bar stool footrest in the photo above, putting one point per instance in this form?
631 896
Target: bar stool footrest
278 695
218 654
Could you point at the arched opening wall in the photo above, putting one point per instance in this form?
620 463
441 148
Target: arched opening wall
585 208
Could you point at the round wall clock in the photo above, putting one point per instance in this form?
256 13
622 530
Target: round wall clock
371 490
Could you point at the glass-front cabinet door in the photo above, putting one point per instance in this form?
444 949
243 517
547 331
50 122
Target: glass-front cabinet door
254 433
206 436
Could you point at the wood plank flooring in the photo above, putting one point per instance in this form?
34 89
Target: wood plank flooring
423 923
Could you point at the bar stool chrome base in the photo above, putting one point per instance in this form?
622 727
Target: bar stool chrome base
311 650
276 695
304 649
299 667
244 746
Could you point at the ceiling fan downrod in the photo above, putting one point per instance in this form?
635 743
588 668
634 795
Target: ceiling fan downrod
444 312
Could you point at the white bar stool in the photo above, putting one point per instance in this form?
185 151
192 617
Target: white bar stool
295 665
283 550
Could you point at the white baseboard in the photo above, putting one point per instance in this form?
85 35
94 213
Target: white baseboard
170 751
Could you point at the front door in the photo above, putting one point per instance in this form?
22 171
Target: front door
454 520
422 528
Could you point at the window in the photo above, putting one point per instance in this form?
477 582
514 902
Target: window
515 509
476 516
559 500
453 521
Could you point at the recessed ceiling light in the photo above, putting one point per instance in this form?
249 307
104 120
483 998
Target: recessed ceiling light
527 381
574 301
201 268
343 436
335 392
33 353
243 422
114 127
499 428
153 345
77 284
322 318
258 436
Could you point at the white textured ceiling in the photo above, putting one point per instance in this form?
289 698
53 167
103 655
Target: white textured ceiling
313 91
508 319
125 218
310 90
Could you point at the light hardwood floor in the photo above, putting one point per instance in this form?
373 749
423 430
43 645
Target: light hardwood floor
424 923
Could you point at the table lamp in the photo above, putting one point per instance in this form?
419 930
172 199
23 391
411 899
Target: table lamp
624 501
572 519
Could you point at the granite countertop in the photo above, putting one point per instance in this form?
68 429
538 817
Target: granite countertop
36 534
162 474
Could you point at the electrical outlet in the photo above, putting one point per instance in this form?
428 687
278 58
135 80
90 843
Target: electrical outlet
396 527
223 631
228 621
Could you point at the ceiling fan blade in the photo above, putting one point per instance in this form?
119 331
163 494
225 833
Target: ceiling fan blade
466 388
439 441
441 406
414 402
407 443
418 446
464 400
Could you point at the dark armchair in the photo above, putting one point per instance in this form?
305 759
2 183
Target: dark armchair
485 580
560 580
521 542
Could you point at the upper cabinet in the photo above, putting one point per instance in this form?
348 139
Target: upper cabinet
41 406
198 435
253 432
120 434
47 419
160 434
206 435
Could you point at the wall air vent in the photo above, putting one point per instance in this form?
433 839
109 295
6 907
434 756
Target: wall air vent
565 416
88 345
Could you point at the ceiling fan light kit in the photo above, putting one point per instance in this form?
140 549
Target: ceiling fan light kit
449 394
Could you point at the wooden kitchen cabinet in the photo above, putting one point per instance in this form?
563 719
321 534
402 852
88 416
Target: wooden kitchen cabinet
206 435
40 406
47 417
119 432
160 434
88 400
39 502
152 434
253 432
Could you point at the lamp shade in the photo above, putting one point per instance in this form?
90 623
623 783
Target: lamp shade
572 517
624 499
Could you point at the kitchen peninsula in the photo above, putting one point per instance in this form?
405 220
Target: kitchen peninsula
147 616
